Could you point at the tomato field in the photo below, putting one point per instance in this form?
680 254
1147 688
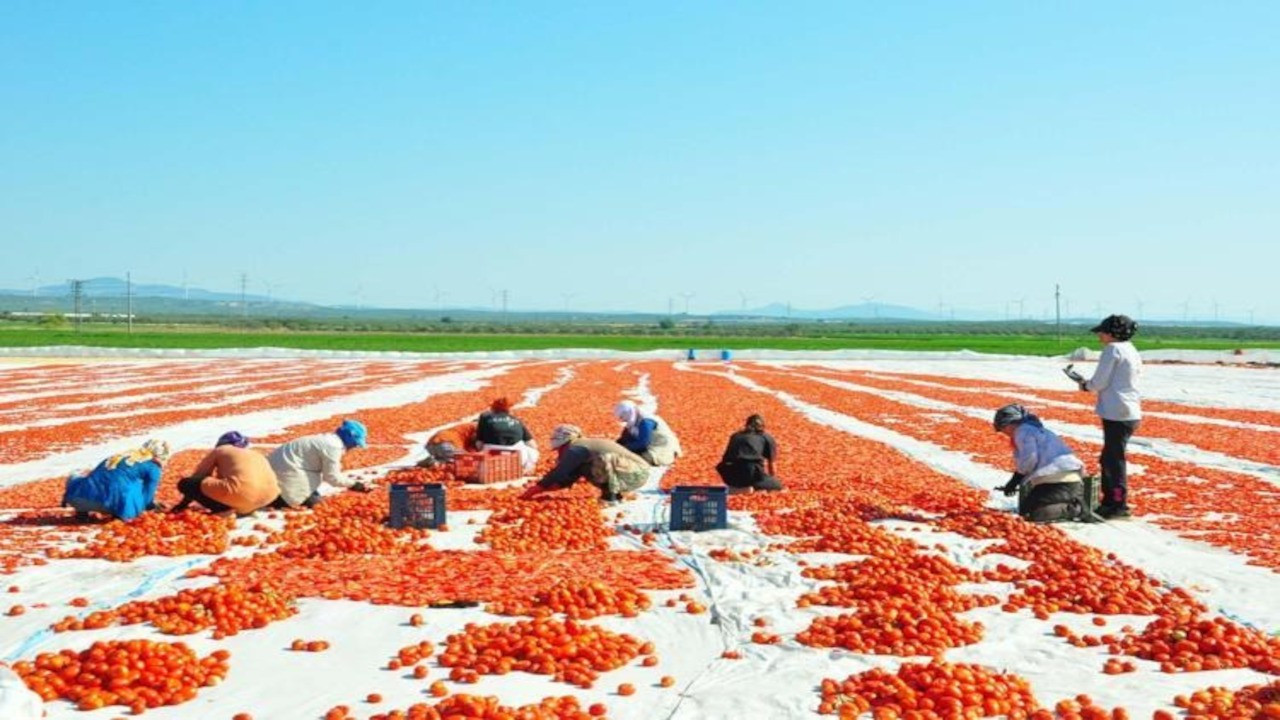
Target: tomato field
887 580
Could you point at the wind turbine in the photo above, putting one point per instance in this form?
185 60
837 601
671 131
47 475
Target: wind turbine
1021 303
567 297
745 299
359 293
35 283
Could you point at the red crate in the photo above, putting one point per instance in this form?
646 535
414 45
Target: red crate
499 466
493 466
466 466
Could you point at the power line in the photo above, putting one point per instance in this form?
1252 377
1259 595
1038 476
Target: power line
128 285
77 295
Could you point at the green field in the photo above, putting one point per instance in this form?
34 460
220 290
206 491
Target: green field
1022 344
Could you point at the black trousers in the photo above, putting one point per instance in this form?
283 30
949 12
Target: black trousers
191 492
1115 440
747 474
1052 502
280 504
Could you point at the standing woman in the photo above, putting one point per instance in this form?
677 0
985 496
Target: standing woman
1119 405
747 463
123 486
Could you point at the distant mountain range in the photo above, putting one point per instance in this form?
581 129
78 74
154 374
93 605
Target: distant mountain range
175 299
863 311
118 287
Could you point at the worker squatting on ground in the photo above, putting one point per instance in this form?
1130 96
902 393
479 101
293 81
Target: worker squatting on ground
123 486
498 429
230 479
448 442
301 465
604 463
646 435
1119 405
1045 463
748 459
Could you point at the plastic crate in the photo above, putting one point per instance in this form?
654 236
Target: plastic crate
466 466
487 467
698 508
499 466
417 505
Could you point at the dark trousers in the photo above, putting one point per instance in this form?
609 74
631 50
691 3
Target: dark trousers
747 475
191 492
1115 440
1052 502
280 504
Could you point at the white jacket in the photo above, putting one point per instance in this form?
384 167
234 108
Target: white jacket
1039 454
1116 382
302 464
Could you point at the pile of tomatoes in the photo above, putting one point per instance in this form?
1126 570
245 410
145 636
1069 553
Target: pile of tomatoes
164 534
578 599
228 608
569 651
477 707
138 674
1189 642
929 692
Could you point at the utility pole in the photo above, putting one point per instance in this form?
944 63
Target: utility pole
1057 310
670 306
244 303
128 285
686 297
77 294
505 319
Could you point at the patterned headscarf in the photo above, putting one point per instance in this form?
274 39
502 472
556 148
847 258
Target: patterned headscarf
564 434
157 450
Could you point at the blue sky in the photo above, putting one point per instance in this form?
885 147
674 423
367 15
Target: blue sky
617 155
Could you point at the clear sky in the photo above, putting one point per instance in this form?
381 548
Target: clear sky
609 155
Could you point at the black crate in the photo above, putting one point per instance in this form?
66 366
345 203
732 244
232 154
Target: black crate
696 507
417 505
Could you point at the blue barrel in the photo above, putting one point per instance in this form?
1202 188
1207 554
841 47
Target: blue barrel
691 356
726 355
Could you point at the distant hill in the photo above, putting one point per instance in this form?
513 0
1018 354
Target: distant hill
862 311
117 287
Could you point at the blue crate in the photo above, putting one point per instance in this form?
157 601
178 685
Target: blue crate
417 505
698 508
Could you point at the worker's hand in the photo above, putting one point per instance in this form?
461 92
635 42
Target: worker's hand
1011 488
1084 386
532 491
361 487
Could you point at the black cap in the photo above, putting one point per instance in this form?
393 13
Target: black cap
1121 327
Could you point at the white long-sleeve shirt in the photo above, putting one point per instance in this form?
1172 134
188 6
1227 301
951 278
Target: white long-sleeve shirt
302 464
1116 382
1038 453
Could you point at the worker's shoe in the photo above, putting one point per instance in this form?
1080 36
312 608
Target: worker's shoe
1114 512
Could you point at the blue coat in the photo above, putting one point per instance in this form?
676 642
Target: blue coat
638 437
125 491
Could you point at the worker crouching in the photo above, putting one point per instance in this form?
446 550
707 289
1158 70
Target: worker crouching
1045 464
604 463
